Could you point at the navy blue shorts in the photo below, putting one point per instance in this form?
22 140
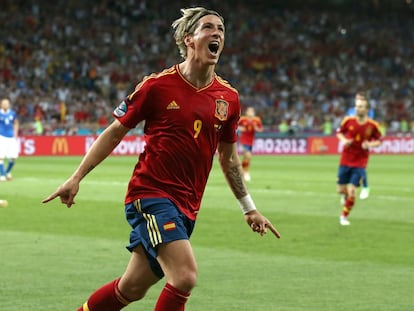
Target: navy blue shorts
156 221
246 148
350 175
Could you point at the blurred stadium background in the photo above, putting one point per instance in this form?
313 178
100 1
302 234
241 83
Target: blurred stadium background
66 64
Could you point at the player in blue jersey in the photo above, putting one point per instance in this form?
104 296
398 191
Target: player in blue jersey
9 130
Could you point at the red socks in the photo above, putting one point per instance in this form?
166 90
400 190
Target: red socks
349 203
245 163
171 299
106 298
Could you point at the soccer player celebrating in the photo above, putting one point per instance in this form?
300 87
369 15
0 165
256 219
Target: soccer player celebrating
189 113
357 134
249 124
9 131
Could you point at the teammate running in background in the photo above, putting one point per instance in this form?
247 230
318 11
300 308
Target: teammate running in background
358 134
190 113
249 124
364 194
9 131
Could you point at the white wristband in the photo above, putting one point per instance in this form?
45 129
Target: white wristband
247 204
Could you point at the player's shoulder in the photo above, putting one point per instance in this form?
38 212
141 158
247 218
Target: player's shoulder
152 80
348 119
373 122
226 84
157 76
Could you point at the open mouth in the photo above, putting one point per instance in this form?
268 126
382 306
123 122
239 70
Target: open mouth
213 47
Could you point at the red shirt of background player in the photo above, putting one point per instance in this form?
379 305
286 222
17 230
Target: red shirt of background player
354 155
250 124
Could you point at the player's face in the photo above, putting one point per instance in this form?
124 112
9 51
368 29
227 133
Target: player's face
361 106
5 104
208 39
250 112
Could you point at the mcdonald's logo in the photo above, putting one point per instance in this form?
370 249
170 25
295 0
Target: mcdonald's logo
60 146
318 146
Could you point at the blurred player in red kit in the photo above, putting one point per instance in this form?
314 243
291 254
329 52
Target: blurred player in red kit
357 134
249 124
189 113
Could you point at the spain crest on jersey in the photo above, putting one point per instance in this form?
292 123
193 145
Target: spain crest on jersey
222 109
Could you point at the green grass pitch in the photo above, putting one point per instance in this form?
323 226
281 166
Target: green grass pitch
52 258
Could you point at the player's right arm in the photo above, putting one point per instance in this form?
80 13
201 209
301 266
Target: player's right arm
241 128
342 138
100 149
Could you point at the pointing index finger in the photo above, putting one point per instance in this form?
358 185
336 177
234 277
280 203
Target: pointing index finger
273 229
50 198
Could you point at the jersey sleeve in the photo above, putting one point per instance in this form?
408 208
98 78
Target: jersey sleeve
135 107
229 134
259 122
377 133
343 126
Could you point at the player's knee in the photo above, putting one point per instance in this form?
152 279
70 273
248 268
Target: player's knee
340 190
134 292
186 281
352 192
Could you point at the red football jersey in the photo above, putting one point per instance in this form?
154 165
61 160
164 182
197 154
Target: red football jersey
354 155
183 126
249 124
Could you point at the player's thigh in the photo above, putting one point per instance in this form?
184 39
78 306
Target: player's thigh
247 150
14 149
9 148
344 175
138 276
3 147
178 262
157 224
357 176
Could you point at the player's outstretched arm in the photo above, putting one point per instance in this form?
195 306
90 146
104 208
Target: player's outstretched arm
231 167
99 150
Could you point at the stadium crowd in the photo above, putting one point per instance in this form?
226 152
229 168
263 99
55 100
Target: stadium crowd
66 64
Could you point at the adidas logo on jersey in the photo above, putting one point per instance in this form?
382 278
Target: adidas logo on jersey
173 105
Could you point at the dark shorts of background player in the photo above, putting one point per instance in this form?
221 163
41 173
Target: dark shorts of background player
156 221
350 175
247 148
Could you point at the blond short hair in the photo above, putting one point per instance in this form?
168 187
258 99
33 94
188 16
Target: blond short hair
187 24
